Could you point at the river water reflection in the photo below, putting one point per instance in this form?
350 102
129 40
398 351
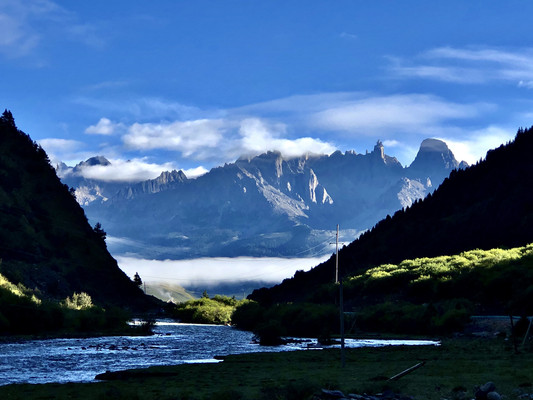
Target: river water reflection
80 360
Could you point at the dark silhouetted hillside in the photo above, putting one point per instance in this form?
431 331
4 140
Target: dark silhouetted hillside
46 242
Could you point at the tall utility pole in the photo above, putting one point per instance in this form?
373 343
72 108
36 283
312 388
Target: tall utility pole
341 300
337 256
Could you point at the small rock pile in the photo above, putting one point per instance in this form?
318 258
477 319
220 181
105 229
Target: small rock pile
487 392
483 392
338 395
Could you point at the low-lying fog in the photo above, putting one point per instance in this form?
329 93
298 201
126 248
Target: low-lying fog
209 271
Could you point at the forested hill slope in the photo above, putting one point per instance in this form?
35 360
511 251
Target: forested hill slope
46 242
485 206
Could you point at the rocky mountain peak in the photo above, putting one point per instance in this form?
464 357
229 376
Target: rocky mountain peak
91 162
433 153
379 150
97 160
167 177
434 160
378 154
463 165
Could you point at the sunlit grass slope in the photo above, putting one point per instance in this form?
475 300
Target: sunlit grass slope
496 279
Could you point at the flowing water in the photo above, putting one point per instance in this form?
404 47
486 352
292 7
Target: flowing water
80 360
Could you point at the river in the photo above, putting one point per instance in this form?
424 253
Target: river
80 360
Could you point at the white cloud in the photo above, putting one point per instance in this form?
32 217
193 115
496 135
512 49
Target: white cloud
87 34
147 108
349 36
259 137
54 145
106 85
61 150
221 139
414 112
217 270
526 84
470 65
14 41
17 36
474 147
401 121
446 74
103 127
195 172
298 104
191 138
26 24
391 143
134 170
517 59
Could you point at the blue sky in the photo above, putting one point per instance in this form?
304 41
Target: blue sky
193 84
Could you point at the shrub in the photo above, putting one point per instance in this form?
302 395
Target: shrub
247 315
451 321
218 310
79 301
270 333
408 318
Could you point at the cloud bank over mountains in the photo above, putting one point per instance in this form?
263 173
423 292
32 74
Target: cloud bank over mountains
275 126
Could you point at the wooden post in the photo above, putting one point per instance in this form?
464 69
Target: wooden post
513 336
527 333
407 371
337 256
341 307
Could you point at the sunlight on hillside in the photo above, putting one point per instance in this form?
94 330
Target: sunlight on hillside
441 268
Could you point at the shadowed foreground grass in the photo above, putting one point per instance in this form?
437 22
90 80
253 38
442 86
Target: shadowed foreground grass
458 365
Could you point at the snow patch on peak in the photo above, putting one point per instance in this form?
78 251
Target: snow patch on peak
86 195
411 191
313 183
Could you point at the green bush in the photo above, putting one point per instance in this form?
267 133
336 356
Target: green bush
451 321
79 301
22 313
247 315
300 319
218 310
270 333
307 319
408 318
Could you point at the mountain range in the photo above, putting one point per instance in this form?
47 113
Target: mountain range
266 205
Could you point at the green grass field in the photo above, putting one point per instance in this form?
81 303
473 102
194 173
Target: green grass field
450 370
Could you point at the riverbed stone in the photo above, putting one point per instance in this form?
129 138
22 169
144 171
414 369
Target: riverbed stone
493 396
481 392
338 395
333 394
488 387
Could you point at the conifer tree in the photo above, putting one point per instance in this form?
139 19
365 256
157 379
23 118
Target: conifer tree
137 279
